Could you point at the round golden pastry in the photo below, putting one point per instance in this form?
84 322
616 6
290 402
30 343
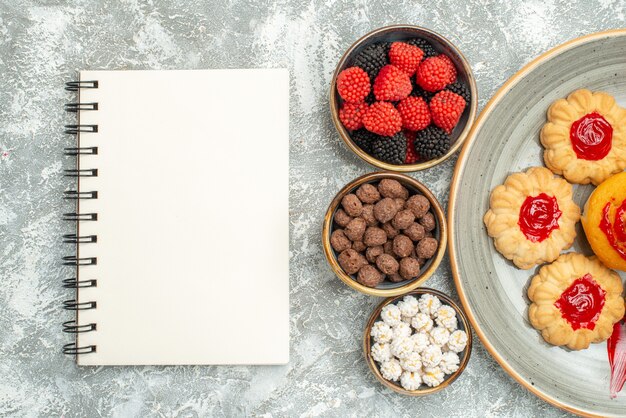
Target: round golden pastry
532 217
585 137
604 221
575 301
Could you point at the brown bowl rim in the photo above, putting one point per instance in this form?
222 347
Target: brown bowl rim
428 390
436 259
405 168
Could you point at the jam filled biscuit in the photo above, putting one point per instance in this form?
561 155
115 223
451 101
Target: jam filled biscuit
531 217
585 137
575 301
604 221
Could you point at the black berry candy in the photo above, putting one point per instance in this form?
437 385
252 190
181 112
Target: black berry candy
432 142
424 45
364 139
390 149
372 58
420 92
460 89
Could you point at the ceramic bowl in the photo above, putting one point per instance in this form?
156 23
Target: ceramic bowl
505 139
386 289
441 44
464 356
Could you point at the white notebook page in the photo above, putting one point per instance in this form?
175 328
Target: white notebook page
193 189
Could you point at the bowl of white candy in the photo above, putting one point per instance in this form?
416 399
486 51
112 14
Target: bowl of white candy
418 343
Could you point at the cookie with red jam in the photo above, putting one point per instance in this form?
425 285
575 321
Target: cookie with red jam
531 217
575 301
585 137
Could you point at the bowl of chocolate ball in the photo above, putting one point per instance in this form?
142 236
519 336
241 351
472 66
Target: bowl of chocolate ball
384 234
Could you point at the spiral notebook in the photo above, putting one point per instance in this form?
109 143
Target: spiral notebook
181 214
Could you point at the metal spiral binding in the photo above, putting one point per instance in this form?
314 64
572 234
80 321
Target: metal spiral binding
72 326
72 260
77 85
74 129
79 284
75 217
74 305
87 172
81 151
75 194
72 349
75 107
79 239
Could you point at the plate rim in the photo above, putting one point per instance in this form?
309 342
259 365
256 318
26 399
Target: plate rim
460 164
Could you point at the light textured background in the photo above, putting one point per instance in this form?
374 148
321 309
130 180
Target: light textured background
43 44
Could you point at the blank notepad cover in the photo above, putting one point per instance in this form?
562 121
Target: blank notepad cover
192 229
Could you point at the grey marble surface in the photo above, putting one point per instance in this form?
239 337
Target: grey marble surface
43 44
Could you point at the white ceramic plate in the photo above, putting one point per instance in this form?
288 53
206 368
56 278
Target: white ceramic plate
505 139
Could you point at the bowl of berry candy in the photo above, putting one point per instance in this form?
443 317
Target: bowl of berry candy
403 98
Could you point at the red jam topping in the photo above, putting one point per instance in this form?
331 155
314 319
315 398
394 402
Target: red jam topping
615 232
616 347
581 303
539 216
591 137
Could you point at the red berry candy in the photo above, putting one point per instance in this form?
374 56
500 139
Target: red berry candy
353 85
451 68
382 119
415 113
446 109
406 57
351 115
411 154
392 84
435 73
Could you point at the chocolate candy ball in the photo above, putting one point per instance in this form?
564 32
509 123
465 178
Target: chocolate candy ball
352 205
387 264
368 215
392 188
415 231
399 203
426 248
355 229
385 210
390 230
418 204
388 248
409 268
368 193
403 219
351 261
402 246
369 276
374 236
395 278
342 218
339 241
428 222
372 253
422 261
